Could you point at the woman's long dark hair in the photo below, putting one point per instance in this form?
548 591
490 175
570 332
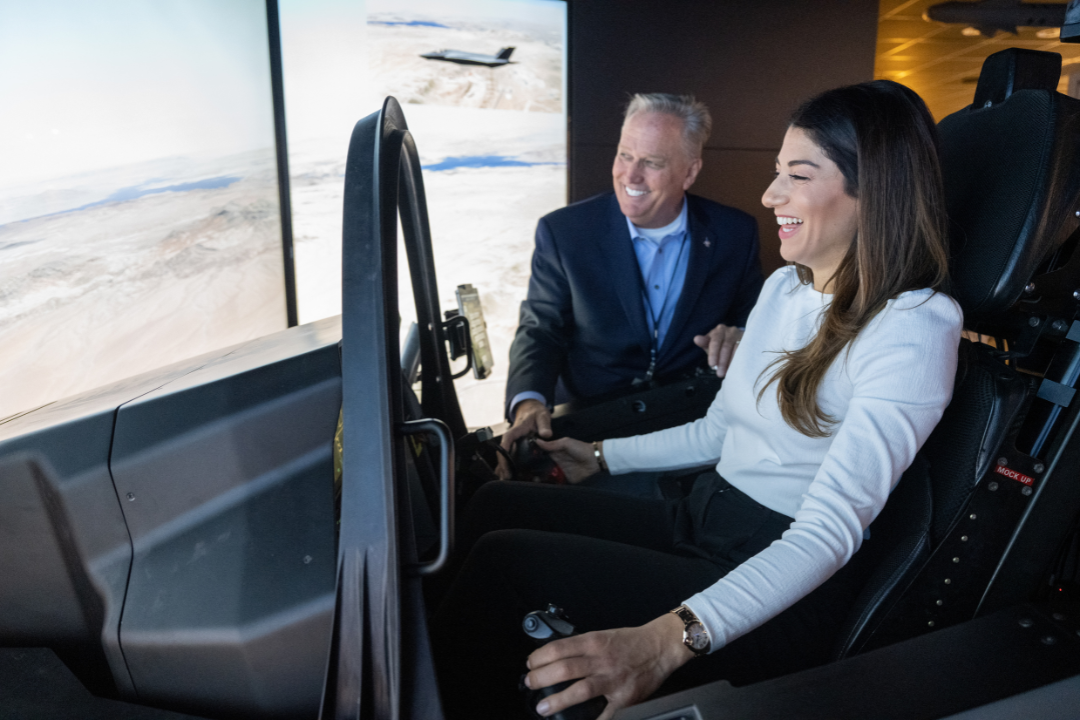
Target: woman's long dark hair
885 143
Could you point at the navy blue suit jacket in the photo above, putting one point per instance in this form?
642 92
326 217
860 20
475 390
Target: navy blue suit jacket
583 324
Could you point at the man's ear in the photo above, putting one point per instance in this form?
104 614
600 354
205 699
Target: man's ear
692 173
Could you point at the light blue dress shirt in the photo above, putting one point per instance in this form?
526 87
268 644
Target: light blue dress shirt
663 254
663 257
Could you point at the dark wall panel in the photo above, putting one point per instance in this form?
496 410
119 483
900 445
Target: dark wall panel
739 178
751 61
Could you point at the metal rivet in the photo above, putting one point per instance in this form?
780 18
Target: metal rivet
963 538
1076 294
130 496
1058 616
1026 622
1030 288
939 603
1039 467
992 487
1049 640
971 516
931 623
948 581
1060 325
1033 321
956 559
1003 460
1026 490
307 559
1078 213
988 103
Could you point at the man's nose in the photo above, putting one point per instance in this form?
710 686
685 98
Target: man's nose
634 172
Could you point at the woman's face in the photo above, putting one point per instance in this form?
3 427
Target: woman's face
817 219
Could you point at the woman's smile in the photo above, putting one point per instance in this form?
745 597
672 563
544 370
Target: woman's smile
788 226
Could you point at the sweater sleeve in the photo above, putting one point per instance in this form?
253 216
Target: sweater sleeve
686 446
902 369
693 444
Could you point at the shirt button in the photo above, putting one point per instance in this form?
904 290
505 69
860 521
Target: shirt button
657 287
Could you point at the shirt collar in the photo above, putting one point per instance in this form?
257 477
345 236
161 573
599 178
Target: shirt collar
678 227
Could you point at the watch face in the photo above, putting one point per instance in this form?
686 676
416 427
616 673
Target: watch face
699 639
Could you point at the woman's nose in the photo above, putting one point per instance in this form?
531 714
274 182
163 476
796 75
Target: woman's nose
773 196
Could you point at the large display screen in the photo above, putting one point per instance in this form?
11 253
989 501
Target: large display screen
139 215
490 127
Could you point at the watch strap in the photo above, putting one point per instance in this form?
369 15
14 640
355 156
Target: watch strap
690 619
598 453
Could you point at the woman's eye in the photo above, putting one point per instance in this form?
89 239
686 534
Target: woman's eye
798 177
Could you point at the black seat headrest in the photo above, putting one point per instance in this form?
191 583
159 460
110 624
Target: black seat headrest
1012 180
1009 71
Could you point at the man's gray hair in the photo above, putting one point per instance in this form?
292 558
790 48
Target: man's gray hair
697 123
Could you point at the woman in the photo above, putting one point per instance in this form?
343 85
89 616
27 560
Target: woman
846 366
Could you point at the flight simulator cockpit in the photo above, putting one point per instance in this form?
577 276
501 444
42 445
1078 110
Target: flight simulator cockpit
173 545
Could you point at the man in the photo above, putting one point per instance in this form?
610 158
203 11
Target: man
625 285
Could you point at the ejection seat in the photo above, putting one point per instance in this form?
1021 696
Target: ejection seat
1012 181
974 525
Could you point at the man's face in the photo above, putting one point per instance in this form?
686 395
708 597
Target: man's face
652 170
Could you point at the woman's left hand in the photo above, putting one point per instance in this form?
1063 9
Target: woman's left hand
625 665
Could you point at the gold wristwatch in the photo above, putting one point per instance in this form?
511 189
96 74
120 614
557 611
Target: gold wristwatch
694 635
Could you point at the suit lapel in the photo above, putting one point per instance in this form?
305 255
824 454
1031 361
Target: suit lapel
702 246
620 262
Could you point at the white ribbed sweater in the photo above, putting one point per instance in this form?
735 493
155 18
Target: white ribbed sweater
886 392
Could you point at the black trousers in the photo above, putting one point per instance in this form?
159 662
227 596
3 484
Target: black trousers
609 561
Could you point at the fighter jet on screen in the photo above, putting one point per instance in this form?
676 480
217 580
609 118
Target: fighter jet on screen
467 58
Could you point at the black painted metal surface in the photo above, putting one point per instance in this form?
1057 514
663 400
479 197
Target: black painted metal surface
197 502
37 686
365 675
966 666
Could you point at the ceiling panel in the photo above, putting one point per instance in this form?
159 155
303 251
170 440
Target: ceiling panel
941 63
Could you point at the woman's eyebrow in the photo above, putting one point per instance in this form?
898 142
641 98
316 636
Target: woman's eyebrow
793 163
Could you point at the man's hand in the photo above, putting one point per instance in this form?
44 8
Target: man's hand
720 345
529 416
625 665
576 458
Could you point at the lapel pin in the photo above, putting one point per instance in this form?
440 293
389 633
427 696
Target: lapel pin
708 243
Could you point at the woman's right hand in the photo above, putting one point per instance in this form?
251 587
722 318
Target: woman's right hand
575 457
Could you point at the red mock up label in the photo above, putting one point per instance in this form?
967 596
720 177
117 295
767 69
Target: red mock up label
1015 475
